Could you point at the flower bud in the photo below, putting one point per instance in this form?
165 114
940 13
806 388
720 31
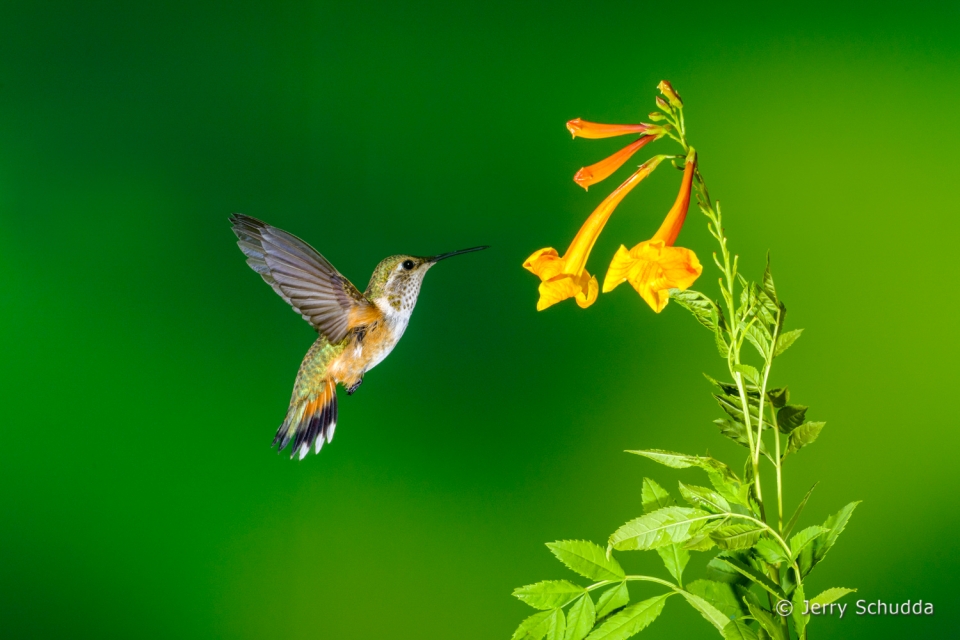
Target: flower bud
667 89
664 105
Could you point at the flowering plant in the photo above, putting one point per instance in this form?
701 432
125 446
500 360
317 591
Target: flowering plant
756 587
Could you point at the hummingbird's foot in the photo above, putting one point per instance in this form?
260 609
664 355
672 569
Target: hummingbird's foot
352 388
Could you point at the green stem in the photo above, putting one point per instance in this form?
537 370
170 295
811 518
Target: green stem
776 440
603 583
738 378
766 374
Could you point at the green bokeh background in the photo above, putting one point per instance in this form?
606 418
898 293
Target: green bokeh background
145 367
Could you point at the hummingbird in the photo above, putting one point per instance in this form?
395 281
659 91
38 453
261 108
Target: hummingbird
356 330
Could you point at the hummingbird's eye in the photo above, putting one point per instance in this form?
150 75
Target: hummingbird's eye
407 264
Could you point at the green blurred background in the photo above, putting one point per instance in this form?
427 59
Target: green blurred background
145 367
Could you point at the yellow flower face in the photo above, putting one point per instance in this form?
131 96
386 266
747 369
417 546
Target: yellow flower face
556 285
653 268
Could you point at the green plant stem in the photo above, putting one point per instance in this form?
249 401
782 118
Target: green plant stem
769 356
777 464
603 583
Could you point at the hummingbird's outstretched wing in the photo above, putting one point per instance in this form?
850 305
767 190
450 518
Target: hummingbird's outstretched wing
303 277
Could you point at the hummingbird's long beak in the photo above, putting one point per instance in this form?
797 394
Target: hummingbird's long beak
444 256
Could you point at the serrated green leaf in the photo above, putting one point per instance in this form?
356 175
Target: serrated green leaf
612 599
675 559
799 510
738 433
770 623
728 485
799 606
631 620
535 627
699 542
733 407
703 498
668 458
723 479
779 397
790 417
731 389
804 538
548 594
771 551
586 558
759 336
661 527
702 307
835 525
720 570
720 595
580 618
736 536
558 625
738 630
803 435
748 372
729 562
786 340
709 612
654 496
722 347
831 595
768 287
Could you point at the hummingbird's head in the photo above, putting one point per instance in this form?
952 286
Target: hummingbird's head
395 283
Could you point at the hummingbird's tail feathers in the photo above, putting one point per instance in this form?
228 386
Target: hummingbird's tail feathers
311 422
302 277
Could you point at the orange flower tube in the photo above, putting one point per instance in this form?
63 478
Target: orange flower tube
566 277
595 130
599 171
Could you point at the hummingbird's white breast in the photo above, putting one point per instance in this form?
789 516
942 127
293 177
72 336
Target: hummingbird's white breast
394 323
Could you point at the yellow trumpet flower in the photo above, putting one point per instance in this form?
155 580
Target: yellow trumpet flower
655 266
566 276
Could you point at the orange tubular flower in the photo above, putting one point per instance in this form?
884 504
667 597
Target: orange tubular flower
601 170
566 277
655 266
595 130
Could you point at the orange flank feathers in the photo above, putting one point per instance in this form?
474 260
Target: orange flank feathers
360 315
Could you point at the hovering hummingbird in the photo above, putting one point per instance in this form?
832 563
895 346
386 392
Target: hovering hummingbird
357 330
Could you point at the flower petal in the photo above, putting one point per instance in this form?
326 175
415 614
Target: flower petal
619 269
595 130
588 290
599 171
545 263
652 268
680 266
557 289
